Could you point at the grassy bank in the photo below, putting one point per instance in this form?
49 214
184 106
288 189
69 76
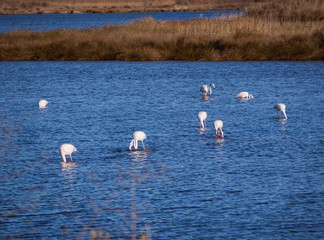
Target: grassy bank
111 6
255 36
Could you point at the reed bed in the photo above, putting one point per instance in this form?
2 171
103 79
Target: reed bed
105 6
236 38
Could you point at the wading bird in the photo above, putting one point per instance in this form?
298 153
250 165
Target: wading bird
218 124
42 103
244 95
67 149
281 108
137 136
202 119
205 89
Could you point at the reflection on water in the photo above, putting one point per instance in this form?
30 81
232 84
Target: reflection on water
206 98
282 123
219 147
203 130
69 169
219 141
262 181
139 155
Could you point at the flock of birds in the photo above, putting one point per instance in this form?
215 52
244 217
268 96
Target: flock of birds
218 124
67 149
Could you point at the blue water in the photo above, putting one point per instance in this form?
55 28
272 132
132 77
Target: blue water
41 22
263 181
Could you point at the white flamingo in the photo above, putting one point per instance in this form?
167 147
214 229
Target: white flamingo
202 119
218 124
205 89
42 103
281 108
137 136
244 95
67 149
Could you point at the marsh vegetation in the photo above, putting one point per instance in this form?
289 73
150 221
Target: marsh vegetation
290 30
110 6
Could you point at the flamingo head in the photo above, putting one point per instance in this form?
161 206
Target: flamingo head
212 85
74 149
251 96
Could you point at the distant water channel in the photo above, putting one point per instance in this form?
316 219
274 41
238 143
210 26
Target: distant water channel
41 22
263 181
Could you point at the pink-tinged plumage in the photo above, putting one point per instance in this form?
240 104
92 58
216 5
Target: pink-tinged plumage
281 108
205 89
42 103
67 149
218 125
202 119
137 136
244 95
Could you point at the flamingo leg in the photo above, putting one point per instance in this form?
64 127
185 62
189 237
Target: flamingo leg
280 115
143 144
71 158
205 123
222 134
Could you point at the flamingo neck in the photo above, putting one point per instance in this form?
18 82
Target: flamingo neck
284 112
63 156
131 144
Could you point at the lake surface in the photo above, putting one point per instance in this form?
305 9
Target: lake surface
41 22
263 181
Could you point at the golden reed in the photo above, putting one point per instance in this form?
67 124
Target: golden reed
107 6
254 36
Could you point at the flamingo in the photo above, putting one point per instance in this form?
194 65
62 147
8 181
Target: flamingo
218 124
244 95
281 108
202 119
42 103
67 149
205 89
137 136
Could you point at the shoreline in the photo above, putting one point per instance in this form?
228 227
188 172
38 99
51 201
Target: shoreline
149 40
148 10
266 33
123 7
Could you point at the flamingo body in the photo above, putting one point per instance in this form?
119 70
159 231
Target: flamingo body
42 103
137 136
205 89
244 95
218 124
281 108
202 119
67 149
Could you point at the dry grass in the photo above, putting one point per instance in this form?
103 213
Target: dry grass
104 6
238 38
289 10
